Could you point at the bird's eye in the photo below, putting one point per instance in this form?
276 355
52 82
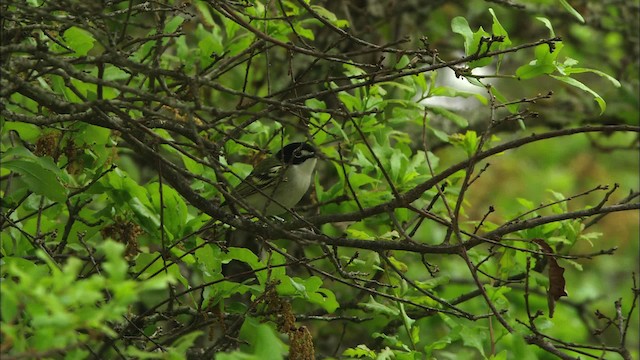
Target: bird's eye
297 154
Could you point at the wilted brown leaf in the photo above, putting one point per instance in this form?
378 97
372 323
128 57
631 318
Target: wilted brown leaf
556 276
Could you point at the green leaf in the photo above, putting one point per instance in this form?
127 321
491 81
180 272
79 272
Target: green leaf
358 234
327 299
27 132
545 62
572 11
314 103
533 69
513 108
8 302
452 92
203 10
459 25
210 43
573 263
40 180
434 282
115 265
124 190
472 40
182 344
174 207
379 308
588 237
261 340
408 321
46 162
441 135
81 41
544 55
547 23
309 290
395 162
244 255
498 295
173 24
236 355
421 81
457 119
469 141
92 135
76 354
350 101
331 17
304 32
527 204
359 351
499 30
502 355
192 165
438 344
403 62
573 82
474 336
357 180
572 70
59 87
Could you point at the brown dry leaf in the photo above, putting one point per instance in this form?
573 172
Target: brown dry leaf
556 276
180 117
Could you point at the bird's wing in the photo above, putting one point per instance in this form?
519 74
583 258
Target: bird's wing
262 177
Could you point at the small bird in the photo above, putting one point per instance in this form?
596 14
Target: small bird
278 183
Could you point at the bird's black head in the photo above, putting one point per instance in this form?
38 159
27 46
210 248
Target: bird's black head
296 153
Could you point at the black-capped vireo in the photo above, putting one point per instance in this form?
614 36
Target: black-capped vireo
278 183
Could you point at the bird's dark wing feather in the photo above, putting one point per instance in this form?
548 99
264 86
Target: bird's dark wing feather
260 179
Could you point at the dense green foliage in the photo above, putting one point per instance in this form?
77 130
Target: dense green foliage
476 197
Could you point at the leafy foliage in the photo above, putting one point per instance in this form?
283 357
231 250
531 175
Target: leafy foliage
437 224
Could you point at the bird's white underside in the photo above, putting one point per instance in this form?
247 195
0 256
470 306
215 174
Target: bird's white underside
287 192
